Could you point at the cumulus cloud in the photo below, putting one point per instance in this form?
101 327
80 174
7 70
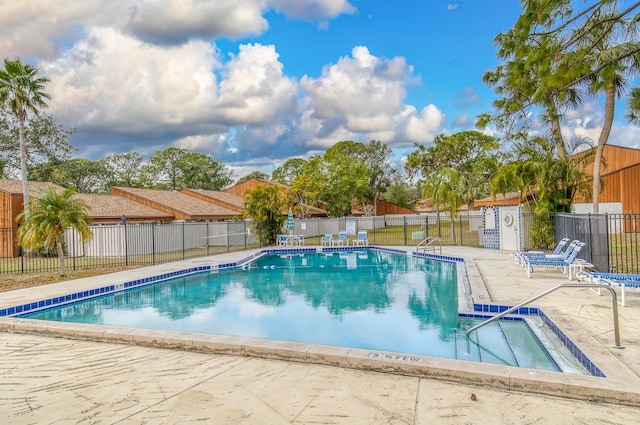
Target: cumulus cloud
115 81
41 29
173 22
364 95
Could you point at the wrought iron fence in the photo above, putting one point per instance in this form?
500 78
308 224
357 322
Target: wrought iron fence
612 240
125 245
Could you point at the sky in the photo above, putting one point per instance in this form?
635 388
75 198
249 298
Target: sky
255 82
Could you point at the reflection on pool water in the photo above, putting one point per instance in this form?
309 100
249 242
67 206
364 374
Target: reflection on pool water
364 299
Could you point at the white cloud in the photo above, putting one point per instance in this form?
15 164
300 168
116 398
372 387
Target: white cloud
425 126
254 89
110 80
364 91
42 29
313 9
452 6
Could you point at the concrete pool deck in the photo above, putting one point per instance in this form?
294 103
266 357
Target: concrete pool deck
58 380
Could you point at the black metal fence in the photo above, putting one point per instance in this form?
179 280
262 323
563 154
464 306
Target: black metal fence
612 240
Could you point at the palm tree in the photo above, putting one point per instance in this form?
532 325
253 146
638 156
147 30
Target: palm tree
51 215
21 89
264 205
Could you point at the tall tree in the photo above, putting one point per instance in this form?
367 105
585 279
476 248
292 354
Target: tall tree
52 214
23 91
465 160
123 169
201 171
81 174
345 179
177 168
380 172
45 140
289 171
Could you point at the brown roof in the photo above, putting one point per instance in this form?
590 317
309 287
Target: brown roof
181 205
35 188
111 208
509 198
224 199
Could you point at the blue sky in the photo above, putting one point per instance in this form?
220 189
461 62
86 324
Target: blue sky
255 82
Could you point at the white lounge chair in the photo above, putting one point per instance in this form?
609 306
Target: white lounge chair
362 239
343 239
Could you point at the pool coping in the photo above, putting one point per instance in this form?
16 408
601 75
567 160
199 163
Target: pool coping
620 385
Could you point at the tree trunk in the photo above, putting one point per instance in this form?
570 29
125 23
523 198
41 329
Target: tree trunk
23 171
556 131
609 110
63 271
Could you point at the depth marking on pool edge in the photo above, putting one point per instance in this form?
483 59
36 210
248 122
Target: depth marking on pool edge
396 357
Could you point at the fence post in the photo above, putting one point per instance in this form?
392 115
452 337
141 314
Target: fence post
126 245
183 242
153 244
207 233
606 238
404 226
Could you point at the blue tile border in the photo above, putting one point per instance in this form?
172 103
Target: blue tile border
534 311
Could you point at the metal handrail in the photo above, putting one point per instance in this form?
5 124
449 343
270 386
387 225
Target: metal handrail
430 242
614 301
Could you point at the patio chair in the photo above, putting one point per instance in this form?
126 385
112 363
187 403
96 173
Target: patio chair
519 256
327 240
362 239
565 263
298 240
343 239
282 240
621 280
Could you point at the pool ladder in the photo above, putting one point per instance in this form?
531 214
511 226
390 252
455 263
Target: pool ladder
614 302
430 244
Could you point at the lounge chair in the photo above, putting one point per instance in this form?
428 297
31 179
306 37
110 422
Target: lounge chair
342 240
621 280
519 256
565 263
327 240
362 239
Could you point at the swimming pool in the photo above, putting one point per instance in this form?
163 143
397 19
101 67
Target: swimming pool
369 299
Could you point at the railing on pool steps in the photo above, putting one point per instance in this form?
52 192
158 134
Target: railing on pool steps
614 302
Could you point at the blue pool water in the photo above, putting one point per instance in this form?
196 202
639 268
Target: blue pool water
365 299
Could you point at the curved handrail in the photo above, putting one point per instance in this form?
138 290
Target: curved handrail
430 243
614 300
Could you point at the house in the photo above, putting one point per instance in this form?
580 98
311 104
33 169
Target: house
104 208
181 205
226 200
11 205
620 175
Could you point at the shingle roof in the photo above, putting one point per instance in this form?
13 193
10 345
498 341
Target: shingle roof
182 206
112 208
224 199
35 188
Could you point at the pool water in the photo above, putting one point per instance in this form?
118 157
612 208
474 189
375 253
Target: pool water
363 299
